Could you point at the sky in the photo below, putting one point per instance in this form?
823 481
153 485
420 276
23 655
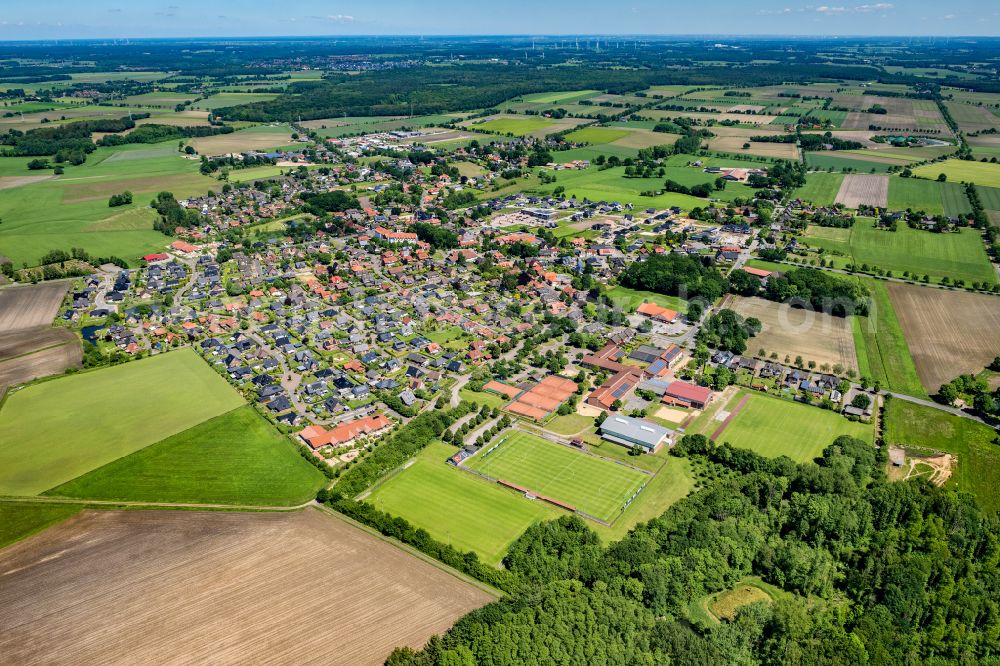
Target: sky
76 19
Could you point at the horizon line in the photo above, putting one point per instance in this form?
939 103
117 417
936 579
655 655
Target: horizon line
817 37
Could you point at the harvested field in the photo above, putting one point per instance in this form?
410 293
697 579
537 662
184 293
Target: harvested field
24 341
972 118
815 336
186 587
863 189
10 182
30 307
731 140
949 332
46 361
257 138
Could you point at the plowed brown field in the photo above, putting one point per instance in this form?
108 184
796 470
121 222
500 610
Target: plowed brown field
171 587
949 332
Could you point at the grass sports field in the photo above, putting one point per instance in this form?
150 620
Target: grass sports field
883 354
775 427
954 255
961 171
916 427
591 484
457 507
57 430
235 458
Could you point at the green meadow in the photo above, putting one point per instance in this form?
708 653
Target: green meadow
775 427
235 458
925 429
962 171
612 185
959 254
72 210
56 430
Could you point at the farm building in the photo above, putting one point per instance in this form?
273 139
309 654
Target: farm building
632 432
687 395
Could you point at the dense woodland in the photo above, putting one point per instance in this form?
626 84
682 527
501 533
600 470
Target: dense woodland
875 573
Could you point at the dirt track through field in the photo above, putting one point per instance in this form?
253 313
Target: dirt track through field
949 332
859 189
172 587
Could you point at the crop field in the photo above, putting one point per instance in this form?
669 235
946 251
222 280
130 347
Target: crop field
820 188
31 353
561 97
457 507
30 307
176 119
961 171
990 197
972 118
513 125
597 135
883 354
221 100
857 190
180 587
57 430
949 333
775 427
67 210
815 336
928 196
732 140
591 484
162 100
960 254
917 427
262 137
846 163
197 466
611 185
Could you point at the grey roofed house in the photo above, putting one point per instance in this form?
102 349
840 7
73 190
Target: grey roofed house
630 432
646 353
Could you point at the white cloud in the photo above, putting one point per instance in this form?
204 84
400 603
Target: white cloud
857 9
340 18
